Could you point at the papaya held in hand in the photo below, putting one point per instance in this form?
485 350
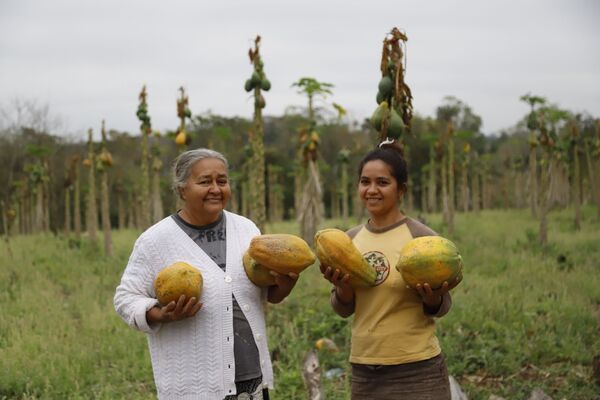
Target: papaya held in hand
280 252
258 274
336 250
430 259
178 279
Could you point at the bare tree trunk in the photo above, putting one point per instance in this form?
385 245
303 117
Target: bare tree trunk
311 374
311 211
595 189
108 246
46 191
67 211
157 206
92 211
39 207
451 197
298 179
576 187
475 191
76 205
545 202
145 185
423 193
334 201
131 214
344 193
432 190
533 180
257 172
445 205
464 188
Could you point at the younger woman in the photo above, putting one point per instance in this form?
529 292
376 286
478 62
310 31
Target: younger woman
395 353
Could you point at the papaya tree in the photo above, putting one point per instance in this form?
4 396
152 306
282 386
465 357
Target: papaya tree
157 164
592 155
182 138
343 161
256 84
92 208
533 126
69 188
549 117
310 211
146 130
575 138
104 162
75 160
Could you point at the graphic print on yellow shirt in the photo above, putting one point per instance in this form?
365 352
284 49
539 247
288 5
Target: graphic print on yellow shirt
380 264
390 326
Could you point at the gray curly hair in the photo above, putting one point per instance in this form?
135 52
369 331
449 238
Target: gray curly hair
182 166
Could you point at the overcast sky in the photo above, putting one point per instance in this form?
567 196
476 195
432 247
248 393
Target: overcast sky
89 59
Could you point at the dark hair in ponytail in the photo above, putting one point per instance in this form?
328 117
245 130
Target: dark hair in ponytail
391 154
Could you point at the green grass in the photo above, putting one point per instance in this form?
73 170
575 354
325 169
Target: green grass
520 320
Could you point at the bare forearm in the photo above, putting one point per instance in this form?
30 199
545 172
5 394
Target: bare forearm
342 302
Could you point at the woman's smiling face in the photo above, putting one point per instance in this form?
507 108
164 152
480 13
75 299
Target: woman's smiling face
207 191
378 189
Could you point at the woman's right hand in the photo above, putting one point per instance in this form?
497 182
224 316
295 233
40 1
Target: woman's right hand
341 281
174 311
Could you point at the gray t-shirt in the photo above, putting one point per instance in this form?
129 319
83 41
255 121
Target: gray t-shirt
212 239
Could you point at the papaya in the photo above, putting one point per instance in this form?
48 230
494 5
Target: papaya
258 274
248 86
386 86
265 84
281 252
432 260
260 102
181 138
105 158
336 250
379 115
255 79
379 98
177 279
396 126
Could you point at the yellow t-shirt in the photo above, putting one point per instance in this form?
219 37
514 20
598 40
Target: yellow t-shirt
390 326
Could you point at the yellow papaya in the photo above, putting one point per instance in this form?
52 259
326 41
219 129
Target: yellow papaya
432 260
177 279
336 250
259 275
281 252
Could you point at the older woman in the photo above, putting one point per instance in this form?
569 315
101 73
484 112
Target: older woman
214 347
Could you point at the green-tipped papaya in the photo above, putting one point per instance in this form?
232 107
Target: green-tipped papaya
248 86
396 126
379 115
380 97
255 79
265 85
258 274
386 86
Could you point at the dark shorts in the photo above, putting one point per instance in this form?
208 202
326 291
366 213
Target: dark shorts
421 380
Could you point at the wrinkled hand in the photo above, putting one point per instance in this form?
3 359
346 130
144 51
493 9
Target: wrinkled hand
341 282
285 282
174 311
282 287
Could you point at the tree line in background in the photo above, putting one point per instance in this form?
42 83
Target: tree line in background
549 159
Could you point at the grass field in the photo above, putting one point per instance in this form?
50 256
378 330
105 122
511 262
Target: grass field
523 318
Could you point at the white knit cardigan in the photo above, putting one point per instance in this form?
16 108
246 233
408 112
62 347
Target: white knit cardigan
193 358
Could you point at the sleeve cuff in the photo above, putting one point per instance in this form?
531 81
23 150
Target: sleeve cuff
140 316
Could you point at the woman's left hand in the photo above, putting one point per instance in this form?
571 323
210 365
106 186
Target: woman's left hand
283 286
432 298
